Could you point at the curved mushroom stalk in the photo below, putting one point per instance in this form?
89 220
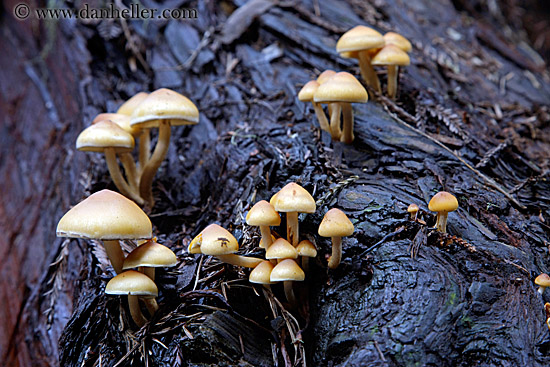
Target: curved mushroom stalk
393 71
151 304
115 254
336 256
116 175
335 121
323 120
347 133
238 260
441 223
135 311
289 293
367 71
130 170
267 239
144 148
151 168
292 229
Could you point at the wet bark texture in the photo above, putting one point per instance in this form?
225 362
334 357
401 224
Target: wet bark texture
472 117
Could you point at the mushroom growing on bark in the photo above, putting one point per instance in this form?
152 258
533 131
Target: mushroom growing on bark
306 95
413 210
109 217
306 249
335 224
263 215
442 203
288 271
261 274
392 57
543 281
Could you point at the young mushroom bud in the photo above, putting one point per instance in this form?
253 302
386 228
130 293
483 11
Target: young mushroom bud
442 203
263 215
335 224
413 210
261 274
543 281
306 249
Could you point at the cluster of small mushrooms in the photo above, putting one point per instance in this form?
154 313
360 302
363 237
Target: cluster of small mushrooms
114 135
543 281
281 255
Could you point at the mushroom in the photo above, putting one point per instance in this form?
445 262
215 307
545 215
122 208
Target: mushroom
281 249
343 89
127 108
161 109
109 217
361 39
217 241
109 138
393 38
306 95
263 214
335 224
133 284
306 249
261 274
333 108
288 271
442 203
543 281
293 199
413 209
392 57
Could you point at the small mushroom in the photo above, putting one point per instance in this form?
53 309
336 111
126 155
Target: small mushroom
442 203
261 274
306 95
543 281
109 217
306 249
335 224
392 57
281 249
413 209
132 283
288 271
293 199
263 214
393 38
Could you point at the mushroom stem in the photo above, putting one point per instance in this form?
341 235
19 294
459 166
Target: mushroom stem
151 304
335 121
115 254
292 230
305 263
238 260
266 236
347 133
116 175
289 293
392 80
144 147
541 289
336 257
150 169
130 170
149 271
135 311
441 223
367 71
323 121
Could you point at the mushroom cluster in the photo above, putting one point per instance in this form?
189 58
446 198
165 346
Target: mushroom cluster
109 217
114 135
281 263
372 48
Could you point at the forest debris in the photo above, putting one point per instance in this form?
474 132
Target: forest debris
238 22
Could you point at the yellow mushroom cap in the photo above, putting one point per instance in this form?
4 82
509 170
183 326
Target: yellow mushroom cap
306 93
150 254
105 215
261 273
281 249
102 135
443 202
349 54
360 38
325 75
214 240
543 280
165 104
123 121
391 55
293 198
335 224
287 270
133 283
263 214
128 107
341 87
393 38
413 208
306 248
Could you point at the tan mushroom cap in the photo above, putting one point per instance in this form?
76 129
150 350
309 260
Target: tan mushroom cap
393 38
543 280
360 38
105 215
325 75
341 87
263 214
306 248
443 202
214 240
133 283
306 93
413 208
293 198
261 273
150 254
391 55
281 249
287 270
102 135
123 121
335 224
128 107
165 104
